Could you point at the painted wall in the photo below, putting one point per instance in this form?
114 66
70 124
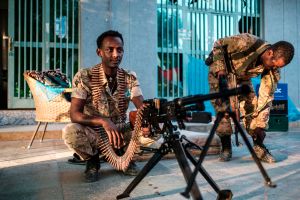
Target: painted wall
282 22
136 20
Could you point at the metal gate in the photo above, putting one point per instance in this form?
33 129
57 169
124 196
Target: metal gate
186 32
43 35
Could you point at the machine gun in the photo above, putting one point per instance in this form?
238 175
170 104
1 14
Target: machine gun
161 111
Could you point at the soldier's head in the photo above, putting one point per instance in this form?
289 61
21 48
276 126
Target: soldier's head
110 48
278 55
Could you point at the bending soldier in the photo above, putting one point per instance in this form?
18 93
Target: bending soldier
250 57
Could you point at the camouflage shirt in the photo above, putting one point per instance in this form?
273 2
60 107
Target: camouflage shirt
108 102
245 66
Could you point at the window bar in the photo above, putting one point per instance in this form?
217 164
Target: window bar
67 39
200 36
37 36
162 51
242 16
194 33
200 49
73 25
194 39
251 19
222 8
25 51
173 66
30 58
177 49
31 21
60 36
167 53
230 25
197 34
19 49
196 53
203 35
217 27
54 36
225 25
260 7
24 47
221 29
256 18
247 16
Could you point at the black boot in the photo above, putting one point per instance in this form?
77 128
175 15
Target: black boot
92 168
259 148
263 153
76 160
132 169
226 151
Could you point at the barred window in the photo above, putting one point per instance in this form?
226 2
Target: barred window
186 32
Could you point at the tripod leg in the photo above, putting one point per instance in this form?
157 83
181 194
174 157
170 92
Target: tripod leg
257 161
220 115
185 168
163 150
203 172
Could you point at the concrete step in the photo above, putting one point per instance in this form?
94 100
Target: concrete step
17 117
25 132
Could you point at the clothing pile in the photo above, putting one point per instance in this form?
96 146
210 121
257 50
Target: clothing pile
51 78
54 81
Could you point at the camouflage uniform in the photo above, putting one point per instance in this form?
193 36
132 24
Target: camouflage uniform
244 63
83 139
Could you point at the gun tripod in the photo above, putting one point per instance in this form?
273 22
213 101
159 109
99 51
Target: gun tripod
198 165
176 144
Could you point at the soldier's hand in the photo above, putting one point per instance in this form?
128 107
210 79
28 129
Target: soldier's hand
114 136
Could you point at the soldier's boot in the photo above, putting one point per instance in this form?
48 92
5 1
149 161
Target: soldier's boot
226 150
260 149
92 169
263 153
76 160
132 169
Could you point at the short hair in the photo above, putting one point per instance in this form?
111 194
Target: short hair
283 49
110 33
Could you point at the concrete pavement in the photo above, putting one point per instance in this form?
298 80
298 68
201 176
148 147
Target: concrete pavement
43 173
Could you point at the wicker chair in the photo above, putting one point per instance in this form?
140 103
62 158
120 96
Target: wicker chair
53 109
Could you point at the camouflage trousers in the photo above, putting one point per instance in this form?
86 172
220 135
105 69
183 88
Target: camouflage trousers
247 104
84 140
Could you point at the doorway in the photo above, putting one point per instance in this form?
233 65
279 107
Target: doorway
3 53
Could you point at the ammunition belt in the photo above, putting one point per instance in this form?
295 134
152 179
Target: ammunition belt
118 162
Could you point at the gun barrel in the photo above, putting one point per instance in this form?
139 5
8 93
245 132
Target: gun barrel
244 89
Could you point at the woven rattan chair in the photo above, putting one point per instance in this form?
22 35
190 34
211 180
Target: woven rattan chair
50 104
